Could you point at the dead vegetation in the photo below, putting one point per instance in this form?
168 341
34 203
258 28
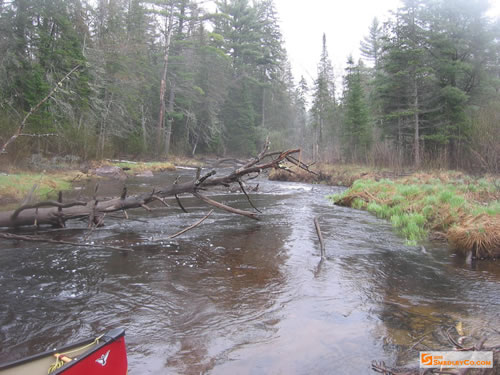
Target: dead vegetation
478 234
336 175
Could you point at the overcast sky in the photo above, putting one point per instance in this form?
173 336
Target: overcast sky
345 23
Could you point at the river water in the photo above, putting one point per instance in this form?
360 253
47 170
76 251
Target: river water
236 296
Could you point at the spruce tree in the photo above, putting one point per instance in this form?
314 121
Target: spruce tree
324 103
356 131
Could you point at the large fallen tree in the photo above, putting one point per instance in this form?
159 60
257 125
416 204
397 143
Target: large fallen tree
57 213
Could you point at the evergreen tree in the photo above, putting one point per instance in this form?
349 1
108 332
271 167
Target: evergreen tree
356 131
371 45
459 46
406 84
324 102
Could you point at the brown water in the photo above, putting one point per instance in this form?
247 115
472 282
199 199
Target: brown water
235 296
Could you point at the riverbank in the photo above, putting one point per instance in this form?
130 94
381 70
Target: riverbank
452 206
17 183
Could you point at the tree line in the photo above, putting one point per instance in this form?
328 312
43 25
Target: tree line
426 92
161 77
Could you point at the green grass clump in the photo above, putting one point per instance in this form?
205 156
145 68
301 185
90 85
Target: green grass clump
409 190
428 211
416 205
358 204
18 186
492 209
431 200
445 196
457 201
411 226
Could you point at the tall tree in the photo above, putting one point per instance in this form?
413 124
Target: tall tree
459 47
356 131
371 45
323 101
407 77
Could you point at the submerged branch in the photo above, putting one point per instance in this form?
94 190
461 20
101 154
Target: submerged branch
320 237
191 226
10 236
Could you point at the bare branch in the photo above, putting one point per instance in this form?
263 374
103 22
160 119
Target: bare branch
191 226
157 198
320 236
19 130
211 202
180 204
200 181
301 165
38 135
246 195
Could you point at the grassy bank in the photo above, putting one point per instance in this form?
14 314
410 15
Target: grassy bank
462 209
16 186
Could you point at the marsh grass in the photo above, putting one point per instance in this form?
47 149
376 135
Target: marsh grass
467 210
18 185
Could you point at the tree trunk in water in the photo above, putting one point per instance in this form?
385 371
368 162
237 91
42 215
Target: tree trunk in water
57 213
163 85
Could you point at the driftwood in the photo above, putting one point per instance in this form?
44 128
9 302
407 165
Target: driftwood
320 237
191 226
57 213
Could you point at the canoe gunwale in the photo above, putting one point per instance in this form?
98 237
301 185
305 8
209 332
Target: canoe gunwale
105 340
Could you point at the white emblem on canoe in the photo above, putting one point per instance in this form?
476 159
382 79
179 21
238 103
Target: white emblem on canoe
103 359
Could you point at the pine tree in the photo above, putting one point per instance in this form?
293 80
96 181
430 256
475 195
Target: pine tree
356 131
406 84
371 45
459 46
323 102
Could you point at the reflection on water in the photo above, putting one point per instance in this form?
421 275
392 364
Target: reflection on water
239 296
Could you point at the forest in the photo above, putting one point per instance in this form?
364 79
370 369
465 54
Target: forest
152 78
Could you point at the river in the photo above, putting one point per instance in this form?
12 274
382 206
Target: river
236 296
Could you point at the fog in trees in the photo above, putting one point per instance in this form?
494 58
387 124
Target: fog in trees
163 78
